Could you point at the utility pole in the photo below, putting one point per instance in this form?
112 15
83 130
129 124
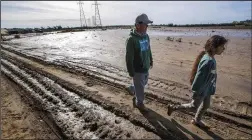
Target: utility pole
97 15
82 15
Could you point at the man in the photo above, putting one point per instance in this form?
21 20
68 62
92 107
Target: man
139 59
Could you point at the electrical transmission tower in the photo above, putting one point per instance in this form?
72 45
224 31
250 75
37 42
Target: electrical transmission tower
82 15
97 15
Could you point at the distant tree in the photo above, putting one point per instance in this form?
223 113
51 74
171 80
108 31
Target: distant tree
235 22
42 28
49 29
170 24
59 27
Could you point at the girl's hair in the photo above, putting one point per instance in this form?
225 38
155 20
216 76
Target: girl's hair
213 42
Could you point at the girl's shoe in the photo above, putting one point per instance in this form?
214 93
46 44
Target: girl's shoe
200 124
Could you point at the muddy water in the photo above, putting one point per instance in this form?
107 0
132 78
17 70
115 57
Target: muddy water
107 46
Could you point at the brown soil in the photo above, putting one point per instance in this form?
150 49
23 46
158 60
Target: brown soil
88 98
114 98
19 119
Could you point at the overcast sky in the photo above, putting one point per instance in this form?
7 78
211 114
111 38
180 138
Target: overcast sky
66 13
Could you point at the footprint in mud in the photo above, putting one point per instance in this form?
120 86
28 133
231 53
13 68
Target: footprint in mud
227 98
117 121
216 97
171 88
89 84
244 108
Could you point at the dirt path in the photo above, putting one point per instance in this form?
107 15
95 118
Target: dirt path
19 120
66 91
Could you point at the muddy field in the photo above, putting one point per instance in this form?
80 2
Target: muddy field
19 118
80 79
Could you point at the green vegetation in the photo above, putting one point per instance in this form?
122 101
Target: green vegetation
234 24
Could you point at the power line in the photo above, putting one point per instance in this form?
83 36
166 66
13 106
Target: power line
97 22
82 15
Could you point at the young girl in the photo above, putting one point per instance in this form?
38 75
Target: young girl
203 79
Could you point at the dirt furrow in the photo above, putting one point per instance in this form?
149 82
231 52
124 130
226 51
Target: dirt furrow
79 118
136 120
163 90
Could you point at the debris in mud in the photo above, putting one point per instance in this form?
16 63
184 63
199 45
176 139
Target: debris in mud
196 43
17 36
190 43
89 84
117 121
179 40
169 38
181 63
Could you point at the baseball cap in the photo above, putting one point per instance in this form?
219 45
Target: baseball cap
143 18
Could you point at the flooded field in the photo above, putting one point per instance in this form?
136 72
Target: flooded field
106 50
245 33
80 78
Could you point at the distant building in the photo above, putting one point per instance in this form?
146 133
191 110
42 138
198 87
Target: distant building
89 22
93 20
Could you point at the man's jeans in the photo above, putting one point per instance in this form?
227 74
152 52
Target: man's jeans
139 82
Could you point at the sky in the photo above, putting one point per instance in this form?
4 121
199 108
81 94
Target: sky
24 14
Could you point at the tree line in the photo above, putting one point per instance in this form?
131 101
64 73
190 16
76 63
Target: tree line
60 28
234 23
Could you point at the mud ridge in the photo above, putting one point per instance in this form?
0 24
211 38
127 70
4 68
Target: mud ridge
119 111
75 107
169 91
78 89
149 95
89 118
